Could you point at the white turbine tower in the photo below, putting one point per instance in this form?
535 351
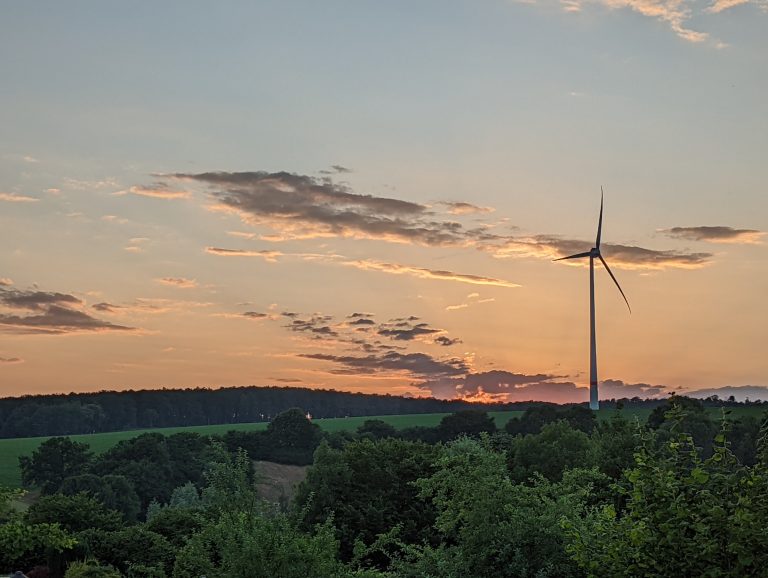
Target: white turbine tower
593 254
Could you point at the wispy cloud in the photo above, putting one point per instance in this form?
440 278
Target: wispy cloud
718 234
622 256
180 282
422 273
5 282
462 208
14 198
270 256
156 191
11 360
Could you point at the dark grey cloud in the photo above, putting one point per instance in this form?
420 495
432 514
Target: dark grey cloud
615 388
255 315
446 341
51 313
506 386
740 392
414 364
405 330
362 321
298 206
35 300
716 234
57 320
317 325
106 307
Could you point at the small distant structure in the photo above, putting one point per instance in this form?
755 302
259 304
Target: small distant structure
309 416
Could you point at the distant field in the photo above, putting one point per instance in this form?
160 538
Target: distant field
11 449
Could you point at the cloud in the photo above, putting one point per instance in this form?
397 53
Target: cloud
506 386
318 325
446 341
156 191
303 207
392 362
10 360
56 320
269 256
740 392
616 389
405 330
717 234
14 198
720 5
473 300
256 315
620 256
5 282
48 313
36 300
180 282
461 208
397 269
675 13
297 206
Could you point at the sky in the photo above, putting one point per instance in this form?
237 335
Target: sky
368 196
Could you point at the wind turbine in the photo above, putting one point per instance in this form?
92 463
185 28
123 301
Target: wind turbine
594 253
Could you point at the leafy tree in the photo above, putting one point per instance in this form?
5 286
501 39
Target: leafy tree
293 437
468 422
115 492
491 527
558 447
376 429
177 525
615 441
91 569
684 414
537 416
368 489
31 543
135 545
73 513
684 515
54 460
249 539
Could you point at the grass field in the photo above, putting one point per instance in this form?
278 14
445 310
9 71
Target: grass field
11 449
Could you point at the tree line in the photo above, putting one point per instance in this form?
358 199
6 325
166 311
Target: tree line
82 413
554 493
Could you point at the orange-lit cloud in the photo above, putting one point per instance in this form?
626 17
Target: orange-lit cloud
14 198
11 360
270 256
180 282
718 234
422 273
156 191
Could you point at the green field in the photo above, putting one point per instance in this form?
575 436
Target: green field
11 449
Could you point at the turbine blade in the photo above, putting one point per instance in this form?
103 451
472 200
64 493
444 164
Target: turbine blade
576 256
600 222
607 268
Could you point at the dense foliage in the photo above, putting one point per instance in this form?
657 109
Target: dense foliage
556 494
